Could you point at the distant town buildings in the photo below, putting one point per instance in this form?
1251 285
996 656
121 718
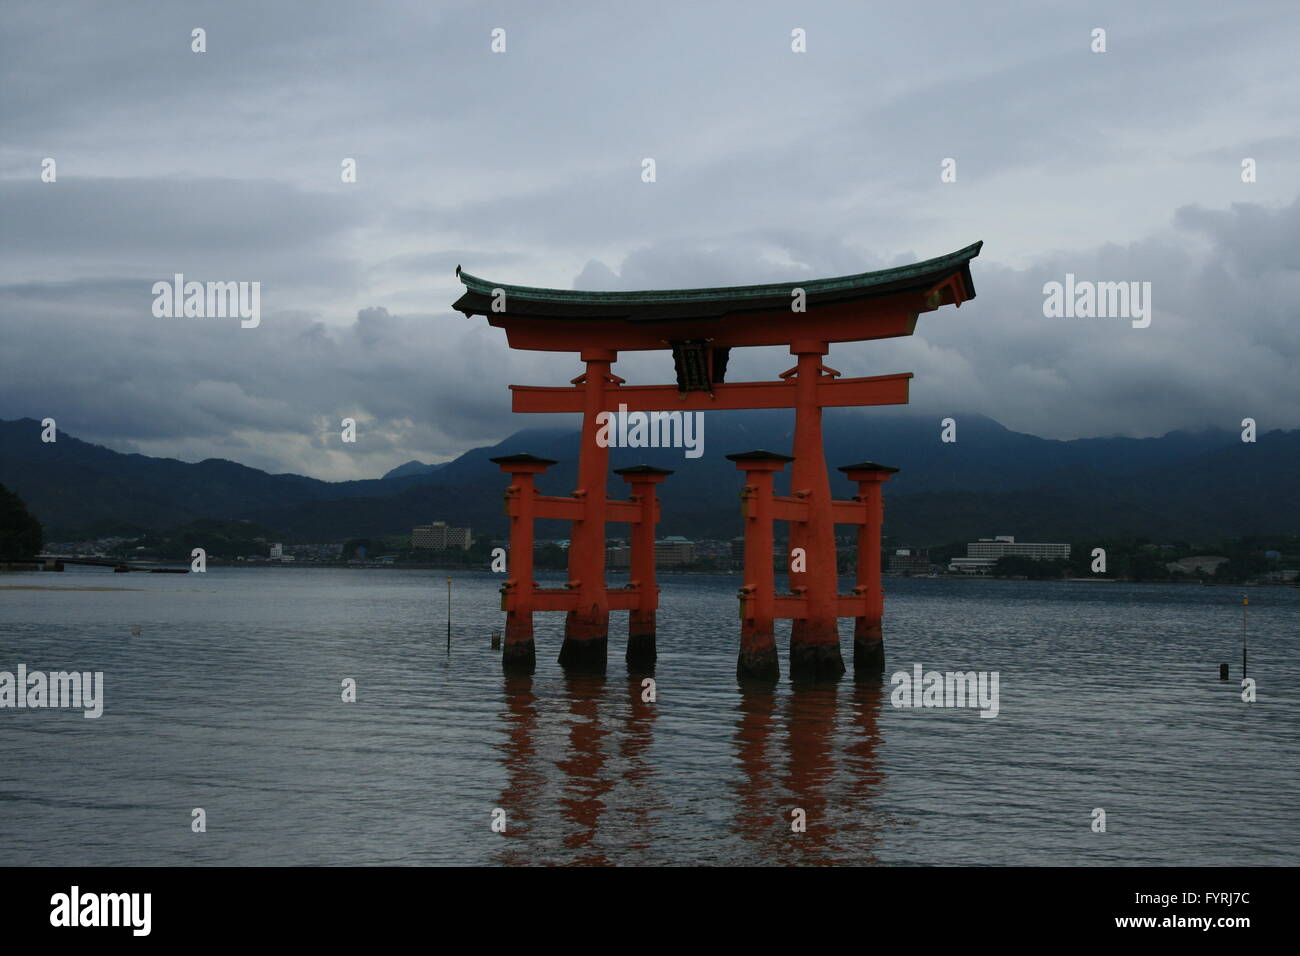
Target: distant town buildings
674 550
439 537
316 552
669 552
1006 544
1207 563
982 555
909 561
277 553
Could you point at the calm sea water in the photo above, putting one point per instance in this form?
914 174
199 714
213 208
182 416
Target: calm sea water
229 699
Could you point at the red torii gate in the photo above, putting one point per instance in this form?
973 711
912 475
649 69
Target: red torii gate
701 326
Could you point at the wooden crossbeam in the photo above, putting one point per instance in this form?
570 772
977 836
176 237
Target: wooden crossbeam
848 512
790 509
564 509
831 393
796 509
570 509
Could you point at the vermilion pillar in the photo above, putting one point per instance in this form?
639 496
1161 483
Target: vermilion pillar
641 651
518 655
814 640
586 628
757 659
868 640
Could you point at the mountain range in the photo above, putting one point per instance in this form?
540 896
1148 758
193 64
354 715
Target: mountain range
1191 486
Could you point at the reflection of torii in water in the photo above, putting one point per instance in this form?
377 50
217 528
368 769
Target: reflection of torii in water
815 749
590 774
701 326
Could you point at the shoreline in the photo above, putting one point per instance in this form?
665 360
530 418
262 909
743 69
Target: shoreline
270 566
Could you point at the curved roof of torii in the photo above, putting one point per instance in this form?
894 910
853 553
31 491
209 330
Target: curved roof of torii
685 304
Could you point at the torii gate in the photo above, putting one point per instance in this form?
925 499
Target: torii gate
701 326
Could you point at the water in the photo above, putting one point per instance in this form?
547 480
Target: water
229 699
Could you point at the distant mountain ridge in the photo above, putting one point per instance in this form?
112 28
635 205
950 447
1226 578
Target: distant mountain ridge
411 468
1183 485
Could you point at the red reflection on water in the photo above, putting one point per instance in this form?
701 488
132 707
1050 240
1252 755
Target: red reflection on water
582 802
835 796
814 748
525 781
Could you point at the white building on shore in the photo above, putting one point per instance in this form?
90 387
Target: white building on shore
982 555
439 537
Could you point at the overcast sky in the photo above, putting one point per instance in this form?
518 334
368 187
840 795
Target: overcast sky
525 167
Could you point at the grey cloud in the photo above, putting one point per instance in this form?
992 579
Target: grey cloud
525 168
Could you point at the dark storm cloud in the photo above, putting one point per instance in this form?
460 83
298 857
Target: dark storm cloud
525 167
235 227
1222 338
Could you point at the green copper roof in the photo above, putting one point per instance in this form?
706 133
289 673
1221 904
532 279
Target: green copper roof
653 304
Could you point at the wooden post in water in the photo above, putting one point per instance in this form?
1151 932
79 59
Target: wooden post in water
449 616
757 659
641 619
586 626
868 640
814 636
1245 604
518 595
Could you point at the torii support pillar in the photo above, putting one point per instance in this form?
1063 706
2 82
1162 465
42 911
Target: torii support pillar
641 650
586 628
868 640
519 655
758 659
814 639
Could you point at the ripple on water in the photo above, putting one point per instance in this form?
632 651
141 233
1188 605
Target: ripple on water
229 698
